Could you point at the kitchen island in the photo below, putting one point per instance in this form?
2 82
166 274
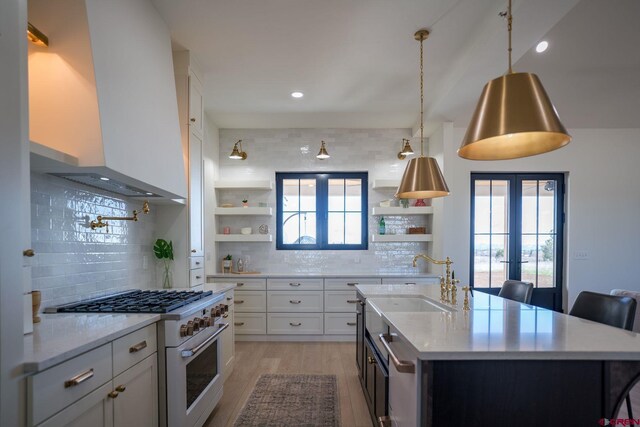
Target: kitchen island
501 363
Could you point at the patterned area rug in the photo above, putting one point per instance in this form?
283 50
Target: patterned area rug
292 401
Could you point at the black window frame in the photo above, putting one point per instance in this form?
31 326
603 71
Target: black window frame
322 202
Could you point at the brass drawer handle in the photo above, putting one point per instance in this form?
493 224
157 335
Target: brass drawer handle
351 323
121 388
238 324
353 301
294 302
229 298
140 346
352 284
294 284
401 365
295 324
78 379
28 253
113 394
198 277
239 301
239 284
371 360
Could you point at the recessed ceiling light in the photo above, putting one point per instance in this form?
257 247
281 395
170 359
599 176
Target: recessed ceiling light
104 178
149 194
297 94
542 46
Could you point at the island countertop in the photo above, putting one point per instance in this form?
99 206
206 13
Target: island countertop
496 328
232 277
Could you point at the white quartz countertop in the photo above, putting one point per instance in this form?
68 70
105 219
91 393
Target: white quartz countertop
219 287
61 336
327 275
496 328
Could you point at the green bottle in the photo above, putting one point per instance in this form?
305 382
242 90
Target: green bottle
381 226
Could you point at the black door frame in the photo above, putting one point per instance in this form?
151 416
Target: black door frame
543 297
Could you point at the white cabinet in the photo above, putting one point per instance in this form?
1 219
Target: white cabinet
228 335
137 402
196 105
95 410
196 196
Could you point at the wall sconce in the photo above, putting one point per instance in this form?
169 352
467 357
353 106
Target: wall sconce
238 153
36 36
101 221
406 149
322 154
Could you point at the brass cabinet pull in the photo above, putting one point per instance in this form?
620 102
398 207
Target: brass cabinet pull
140 346
193 120
294 284
198 277
229 298
193 251
239 284
295 324
113 394
225 315
294 302
238 323
351 323
353 301
352 284
371 360
239 301
121 388
28 252
79 379
384 421
401 365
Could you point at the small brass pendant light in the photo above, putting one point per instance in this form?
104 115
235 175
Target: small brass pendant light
36 36
514 118
322 154
237 153
422 178
406 150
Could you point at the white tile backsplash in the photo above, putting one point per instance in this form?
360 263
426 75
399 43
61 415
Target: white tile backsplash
72 261
282 150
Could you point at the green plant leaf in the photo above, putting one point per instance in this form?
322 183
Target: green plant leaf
161 248
170 250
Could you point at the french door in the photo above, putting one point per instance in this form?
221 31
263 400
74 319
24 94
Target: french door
517 233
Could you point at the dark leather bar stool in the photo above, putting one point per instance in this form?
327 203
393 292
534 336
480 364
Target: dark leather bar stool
517 291
617 311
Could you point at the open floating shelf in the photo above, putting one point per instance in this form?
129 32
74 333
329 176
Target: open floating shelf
394 210
243 185
243 238
257 211
385 183
382 238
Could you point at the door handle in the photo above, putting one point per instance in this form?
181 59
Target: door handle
401 365
79 379
506 262
294 302
28 253
140 346
195 350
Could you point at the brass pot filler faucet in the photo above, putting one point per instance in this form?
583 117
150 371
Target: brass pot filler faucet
102 221
448 290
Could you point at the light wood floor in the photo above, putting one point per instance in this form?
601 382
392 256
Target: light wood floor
256 358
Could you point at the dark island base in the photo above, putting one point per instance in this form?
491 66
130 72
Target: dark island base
524 392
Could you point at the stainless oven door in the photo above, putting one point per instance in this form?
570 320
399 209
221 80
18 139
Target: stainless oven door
194 378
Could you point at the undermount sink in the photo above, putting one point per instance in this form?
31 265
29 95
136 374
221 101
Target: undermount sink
407 304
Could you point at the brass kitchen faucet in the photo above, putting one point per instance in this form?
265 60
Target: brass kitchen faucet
448 291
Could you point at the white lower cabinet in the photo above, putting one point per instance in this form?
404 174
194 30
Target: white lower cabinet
83 391
250 301
250 323
294 302
228 336
340 323
295 324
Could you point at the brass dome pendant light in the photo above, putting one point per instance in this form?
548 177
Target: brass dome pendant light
514 118
422 178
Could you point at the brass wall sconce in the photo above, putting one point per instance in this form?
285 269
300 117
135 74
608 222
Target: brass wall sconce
102 221
238 153
406 149
323 154
36 36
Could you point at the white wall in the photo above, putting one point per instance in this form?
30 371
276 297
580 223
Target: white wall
603 205
210 153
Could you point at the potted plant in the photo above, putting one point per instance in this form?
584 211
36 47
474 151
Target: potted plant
226 261
245 203
164 252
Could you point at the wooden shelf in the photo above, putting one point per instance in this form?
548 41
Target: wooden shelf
400 211
381 238
257 211
243 238
243 185
385 183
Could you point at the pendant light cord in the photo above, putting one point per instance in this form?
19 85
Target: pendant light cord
509 26
421 99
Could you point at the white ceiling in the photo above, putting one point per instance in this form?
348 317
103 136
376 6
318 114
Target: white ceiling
357 62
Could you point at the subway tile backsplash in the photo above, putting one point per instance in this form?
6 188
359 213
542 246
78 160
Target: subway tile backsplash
281 150
72 261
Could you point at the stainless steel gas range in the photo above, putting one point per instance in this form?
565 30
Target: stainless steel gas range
189 347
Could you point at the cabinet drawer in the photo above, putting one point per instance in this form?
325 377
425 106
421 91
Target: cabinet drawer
248 323
58 387
347 283
340 301
133 348
196 277
251 284
250 302
229 298
95 410
294 302
340 324
296 283
196 262
410 280
295 324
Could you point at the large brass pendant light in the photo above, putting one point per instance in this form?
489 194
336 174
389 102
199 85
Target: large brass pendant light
422 178
514 118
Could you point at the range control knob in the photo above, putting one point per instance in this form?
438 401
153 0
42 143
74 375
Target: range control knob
183 330
226 308
207 321
218 312
196 324
189 327
203 323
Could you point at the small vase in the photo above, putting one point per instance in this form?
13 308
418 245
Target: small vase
245 204
167 278
36 298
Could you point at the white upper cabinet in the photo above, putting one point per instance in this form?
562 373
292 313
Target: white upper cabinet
104 90
196 105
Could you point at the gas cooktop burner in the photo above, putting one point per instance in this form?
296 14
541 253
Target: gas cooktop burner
136 302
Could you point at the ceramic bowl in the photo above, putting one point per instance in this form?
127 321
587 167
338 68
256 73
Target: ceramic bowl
245 230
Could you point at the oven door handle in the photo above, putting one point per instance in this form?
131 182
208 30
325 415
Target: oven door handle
196 349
